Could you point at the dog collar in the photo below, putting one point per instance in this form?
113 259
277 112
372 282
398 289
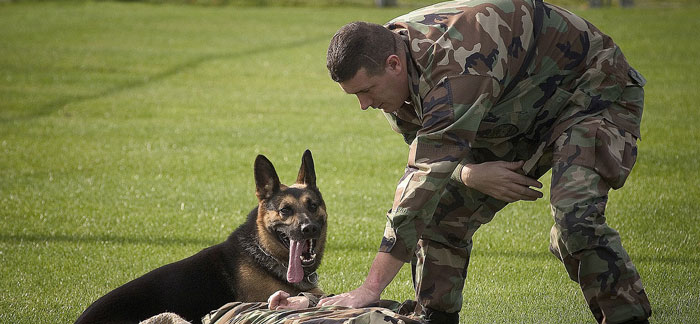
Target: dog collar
312 278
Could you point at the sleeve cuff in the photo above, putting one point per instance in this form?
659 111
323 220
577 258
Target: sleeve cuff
394 246
313 299
457 174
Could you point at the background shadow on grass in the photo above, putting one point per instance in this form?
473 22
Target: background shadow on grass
105 238
55 105
686 260
535 255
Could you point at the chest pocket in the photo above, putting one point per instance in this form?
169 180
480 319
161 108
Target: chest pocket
504 121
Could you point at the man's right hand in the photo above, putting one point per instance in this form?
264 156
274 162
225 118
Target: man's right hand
359 297
501 180
282 300
384 268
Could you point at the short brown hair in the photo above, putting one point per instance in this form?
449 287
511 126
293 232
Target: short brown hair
359 45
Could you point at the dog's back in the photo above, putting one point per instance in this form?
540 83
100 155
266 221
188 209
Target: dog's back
191 287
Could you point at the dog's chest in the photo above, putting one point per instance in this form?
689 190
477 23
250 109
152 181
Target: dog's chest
254 285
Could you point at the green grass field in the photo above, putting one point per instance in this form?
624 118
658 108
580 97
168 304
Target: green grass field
128 133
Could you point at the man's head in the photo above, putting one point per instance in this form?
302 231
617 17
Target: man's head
369 61
359 45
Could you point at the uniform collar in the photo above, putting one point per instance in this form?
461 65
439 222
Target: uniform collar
411 111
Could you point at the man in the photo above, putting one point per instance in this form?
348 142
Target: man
490 95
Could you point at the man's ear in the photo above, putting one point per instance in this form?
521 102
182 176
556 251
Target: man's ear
267 183
307 172
393 64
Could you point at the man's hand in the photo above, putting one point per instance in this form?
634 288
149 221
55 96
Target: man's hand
501 180
357 298
281 300
384 268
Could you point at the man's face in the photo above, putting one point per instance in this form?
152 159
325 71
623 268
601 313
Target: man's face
386 91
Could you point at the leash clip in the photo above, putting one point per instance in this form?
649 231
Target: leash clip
312 278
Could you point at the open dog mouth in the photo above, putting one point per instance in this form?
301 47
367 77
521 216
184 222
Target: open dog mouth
308 251
302 254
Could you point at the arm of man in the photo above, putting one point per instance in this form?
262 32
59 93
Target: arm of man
383 270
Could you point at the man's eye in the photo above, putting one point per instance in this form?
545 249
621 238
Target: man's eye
286 211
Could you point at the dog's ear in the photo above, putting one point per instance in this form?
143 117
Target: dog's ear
307 173
267 183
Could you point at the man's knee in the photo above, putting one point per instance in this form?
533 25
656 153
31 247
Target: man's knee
609 152
581 227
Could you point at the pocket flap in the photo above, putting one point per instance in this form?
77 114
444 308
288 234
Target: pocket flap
637 77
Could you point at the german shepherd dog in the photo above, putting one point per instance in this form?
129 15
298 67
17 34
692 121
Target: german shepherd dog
279 247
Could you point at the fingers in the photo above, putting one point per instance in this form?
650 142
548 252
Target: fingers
330 300
525 193
279 298
520 178
517 175
296 302
515 192
514 166
344 299
527 181
359 297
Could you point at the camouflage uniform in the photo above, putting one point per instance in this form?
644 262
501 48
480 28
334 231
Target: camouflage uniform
574 106
384 312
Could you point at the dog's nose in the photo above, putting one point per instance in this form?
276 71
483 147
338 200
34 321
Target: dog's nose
309 229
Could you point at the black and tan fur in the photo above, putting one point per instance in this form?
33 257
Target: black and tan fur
249 266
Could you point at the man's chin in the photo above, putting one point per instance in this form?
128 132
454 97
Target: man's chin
388 110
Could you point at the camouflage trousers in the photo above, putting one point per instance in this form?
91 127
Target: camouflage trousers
587 160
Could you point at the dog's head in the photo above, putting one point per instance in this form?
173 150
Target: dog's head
291 222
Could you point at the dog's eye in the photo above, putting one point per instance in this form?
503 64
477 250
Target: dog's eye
286 211
313 207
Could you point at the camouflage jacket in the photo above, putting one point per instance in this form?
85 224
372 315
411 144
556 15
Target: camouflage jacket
461 55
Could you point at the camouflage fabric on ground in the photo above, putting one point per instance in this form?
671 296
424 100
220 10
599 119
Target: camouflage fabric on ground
257 313
165 318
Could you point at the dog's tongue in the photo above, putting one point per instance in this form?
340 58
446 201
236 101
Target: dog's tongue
295 272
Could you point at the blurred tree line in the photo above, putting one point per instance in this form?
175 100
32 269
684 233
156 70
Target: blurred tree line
401 3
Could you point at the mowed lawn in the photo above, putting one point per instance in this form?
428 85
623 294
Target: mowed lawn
128 133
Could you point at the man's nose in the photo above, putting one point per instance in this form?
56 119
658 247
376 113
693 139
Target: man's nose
365 102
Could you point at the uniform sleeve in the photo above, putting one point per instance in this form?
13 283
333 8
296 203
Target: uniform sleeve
452 111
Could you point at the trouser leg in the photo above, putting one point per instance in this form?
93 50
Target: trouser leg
583 171
442 256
